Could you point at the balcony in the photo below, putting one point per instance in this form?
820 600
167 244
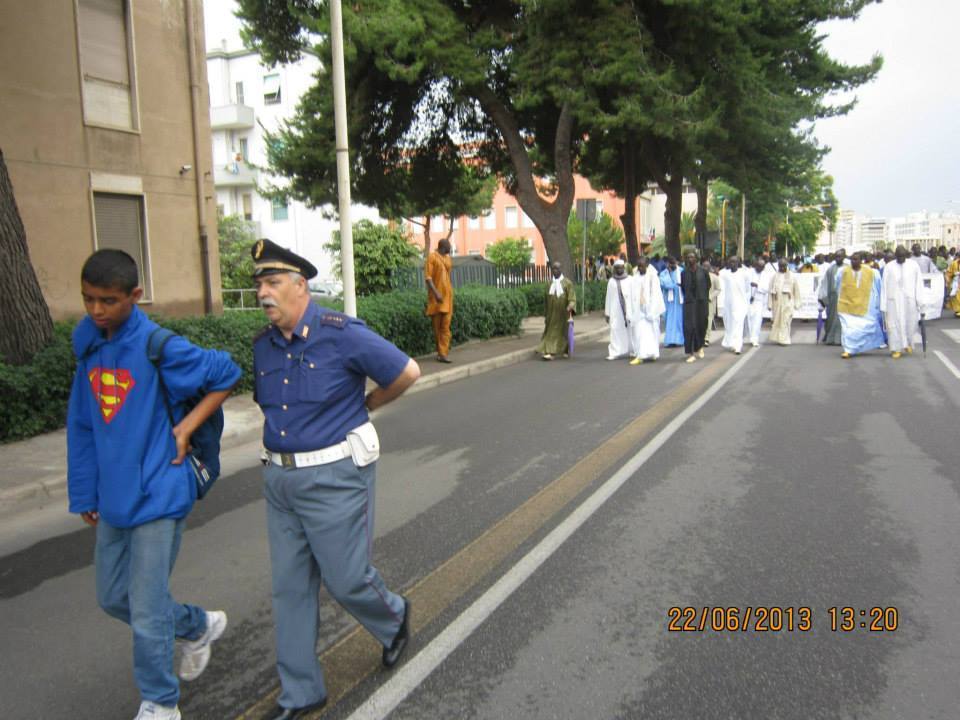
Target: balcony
236 174
231 117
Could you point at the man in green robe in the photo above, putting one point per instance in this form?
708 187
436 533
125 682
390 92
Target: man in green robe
559 309
828 296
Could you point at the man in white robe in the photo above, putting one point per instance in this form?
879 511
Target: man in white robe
618 311
760 279
647 307
784 299
735 286
900 301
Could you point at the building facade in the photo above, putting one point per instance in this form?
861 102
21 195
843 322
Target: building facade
248 99
105 133
505 218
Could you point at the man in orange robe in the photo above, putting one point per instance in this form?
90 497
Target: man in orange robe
440 296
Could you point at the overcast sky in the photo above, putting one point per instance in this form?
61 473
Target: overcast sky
897 151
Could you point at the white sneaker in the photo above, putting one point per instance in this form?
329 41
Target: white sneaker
151 711
196 653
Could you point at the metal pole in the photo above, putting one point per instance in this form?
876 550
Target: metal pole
583 274
723 229
343 160
743 225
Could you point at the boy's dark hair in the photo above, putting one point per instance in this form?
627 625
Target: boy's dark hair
111 268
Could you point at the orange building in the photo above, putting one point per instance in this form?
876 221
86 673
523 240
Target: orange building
473 235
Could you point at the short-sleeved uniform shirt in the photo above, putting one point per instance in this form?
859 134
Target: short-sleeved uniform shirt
438 270
312 388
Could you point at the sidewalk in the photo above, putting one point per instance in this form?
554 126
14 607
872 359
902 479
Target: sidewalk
36 468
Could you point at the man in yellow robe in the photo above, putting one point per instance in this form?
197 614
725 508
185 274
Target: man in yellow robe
952 275
440 296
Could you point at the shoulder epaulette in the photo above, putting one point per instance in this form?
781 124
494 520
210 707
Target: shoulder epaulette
334 319
262 332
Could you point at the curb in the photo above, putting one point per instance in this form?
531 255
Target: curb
55 486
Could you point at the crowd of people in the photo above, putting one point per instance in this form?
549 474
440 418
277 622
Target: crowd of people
867 301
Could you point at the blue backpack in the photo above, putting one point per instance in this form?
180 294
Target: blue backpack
204 457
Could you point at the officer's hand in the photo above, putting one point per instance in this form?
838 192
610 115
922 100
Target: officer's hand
90 517
182 437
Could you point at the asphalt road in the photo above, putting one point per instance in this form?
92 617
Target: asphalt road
804 483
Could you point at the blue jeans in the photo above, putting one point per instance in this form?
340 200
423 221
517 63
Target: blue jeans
133 569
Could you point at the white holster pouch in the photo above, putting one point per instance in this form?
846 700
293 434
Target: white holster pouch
364 444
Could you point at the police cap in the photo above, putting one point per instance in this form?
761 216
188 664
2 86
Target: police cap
269 258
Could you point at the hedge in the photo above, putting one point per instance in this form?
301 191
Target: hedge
535 294
34 396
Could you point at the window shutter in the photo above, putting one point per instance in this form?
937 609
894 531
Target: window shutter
119 221
103 40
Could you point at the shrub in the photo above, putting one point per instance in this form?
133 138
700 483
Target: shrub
35 395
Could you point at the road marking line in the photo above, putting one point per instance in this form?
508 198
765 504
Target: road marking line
407 678
950 366
953 334
355 657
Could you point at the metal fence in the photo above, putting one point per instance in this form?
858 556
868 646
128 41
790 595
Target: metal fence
244 299
412 278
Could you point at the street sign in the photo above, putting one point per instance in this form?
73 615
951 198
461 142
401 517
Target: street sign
587 210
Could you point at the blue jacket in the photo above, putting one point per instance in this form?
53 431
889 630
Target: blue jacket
119 438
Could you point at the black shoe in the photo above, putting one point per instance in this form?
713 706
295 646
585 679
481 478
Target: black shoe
391 655
282 713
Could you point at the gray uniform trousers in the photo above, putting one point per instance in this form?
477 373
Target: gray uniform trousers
320 526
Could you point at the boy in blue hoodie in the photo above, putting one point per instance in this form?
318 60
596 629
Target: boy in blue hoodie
127 476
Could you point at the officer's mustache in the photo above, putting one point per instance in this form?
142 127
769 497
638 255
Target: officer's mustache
268 302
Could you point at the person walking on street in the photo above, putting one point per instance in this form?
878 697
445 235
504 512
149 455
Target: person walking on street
827 296
126 474
673 299
695 291
760 279
559 307
900 301
858 305
712 304
617 311
647 308
784 299
440 296
319 453
735 285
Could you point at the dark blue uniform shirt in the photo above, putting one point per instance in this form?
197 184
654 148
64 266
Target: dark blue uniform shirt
312 388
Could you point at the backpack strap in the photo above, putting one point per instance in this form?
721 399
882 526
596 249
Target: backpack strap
155 344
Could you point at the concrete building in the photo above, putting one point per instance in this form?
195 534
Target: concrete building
247 99
925 229
105 142
505 218
871 234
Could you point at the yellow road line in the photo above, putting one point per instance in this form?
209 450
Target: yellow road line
356 656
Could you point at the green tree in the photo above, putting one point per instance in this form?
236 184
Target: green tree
378 251
510 253
236 236
604 237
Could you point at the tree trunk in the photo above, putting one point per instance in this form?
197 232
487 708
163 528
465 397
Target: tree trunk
672 213
25 322
550 217
629 217
700 222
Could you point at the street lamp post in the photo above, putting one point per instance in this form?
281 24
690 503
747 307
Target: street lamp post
723 226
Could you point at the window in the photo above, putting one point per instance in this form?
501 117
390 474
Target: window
527 222
271 89
473 223
510 216
119 222
490 220
279 208
243 150
239 91
438 224
247 201
473 252
106 73
220 210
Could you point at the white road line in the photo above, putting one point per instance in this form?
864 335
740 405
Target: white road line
950 366
407 678
953 334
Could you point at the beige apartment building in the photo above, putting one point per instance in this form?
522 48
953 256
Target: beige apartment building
106 135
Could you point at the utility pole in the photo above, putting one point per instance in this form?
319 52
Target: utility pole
743 226
343 160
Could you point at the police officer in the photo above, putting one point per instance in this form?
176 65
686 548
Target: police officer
320 449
